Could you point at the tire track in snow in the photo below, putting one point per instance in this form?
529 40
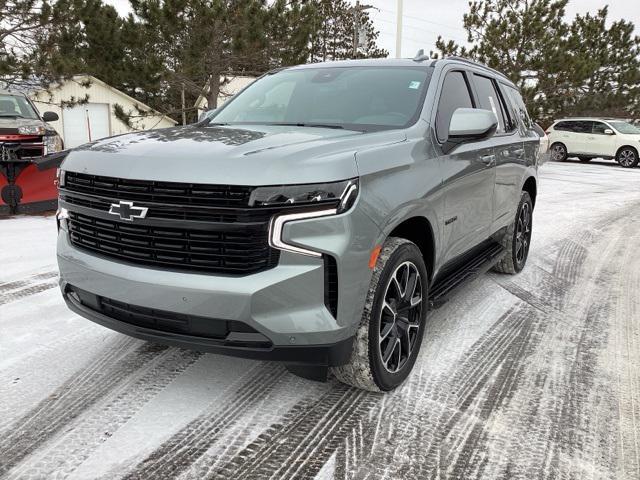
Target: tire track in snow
26 292
8 286
71 449
627 359
185 447
78 394
305 440
12 291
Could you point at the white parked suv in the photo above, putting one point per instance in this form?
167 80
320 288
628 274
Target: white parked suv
587 138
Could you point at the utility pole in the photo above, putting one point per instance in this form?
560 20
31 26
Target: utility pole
356 24
399 30
184 113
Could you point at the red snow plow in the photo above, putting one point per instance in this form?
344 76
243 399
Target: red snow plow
27 185
30 152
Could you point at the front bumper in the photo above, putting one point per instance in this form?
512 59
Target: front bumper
245 346
285 305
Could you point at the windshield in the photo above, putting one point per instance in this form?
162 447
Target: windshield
356 98
624 127
16 106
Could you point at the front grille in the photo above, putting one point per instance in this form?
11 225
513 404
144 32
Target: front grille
168 193
235 252
188 226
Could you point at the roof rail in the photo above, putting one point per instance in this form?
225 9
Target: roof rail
477 64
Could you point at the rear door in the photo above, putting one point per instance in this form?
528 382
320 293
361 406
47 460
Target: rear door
508 150
468 173
509 182
566 133
581 130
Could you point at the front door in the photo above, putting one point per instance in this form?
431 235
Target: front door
468 173
601 143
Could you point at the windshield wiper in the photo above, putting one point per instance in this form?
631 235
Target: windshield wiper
11 115
311 125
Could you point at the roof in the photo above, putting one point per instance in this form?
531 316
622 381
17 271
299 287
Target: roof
573 119
420 59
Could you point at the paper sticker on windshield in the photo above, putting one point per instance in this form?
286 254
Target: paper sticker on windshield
414 85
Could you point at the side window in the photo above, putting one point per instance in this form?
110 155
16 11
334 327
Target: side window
582 126
563 126
455 94
520 107
599 128
490 100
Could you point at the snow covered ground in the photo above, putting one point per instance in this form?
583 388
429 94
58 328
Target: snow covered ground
531 376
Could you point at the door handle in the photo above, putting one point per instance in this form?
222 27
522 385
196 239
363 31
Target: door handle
487 159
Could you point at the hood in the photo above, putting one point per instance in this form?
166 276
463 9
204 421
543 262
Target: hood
10 125
246 155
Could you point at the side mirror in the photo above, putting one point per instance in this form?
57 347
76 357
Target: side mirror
470 125
608 131
50 116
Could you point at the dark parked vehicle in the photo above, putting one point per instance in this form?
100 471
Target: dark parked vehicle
25 138
314 219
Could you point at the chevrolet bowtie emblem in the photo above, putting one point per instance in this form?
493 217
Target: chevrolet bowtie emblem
127 211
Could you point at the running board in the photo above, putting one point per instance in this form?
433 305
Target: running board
469 271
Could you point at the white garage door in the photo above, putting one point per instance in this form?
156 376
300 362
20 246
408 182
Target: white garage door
85 123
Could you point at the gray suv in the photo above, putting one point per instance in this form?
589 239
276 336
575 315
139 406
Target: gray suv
314 219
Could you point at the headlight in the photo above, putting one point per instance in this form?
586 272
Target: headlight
52 143
342 195
32 130
331 199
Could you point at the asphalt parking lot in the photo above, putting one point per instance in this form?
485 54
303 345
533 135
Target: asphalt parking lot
531 376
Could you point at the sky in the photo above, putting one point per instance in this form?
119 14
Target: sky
424 20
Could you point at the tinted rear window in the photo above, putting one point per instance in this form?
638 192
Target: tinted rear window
490 100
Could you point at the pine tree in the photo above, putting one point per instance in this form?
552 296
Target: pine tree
22 24
562 68
198 42
333 24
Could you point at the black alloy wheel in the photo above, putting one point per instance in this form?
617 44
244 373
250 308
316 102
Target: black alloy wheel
523 233
400 316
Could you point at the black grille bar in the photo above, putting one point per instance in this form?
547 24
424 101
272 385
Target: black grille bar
170 193
233 252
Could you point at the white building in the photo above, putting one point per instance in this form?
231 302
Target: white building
82 123
228 90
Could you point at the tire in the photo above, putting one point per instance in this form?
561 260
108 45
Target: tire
584 159
517 239
559 152
627 157
367 368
